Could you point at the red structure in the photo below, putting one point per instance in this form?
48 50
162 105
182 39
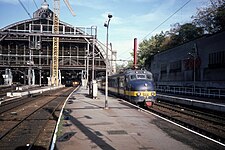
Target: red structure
135 52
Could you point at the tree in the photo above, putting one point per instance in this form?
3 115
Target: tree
188 32
220 17
211 18
120 67
177 35
148 48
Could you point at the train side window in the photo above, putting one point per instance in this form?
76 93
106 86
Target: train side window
149 77
114 82
121 82
126 79
132 77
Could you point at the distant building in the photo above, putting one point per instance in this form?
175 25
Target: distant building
200 62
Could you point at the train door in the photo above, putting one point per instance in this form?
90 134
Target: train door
127 88
121 85
118 85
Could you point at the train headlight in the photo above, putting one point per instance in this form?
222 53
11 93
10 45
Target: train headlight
153 93
138 94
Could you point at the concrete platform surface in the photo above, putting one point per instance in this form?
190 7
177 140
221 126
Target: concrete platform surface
87 125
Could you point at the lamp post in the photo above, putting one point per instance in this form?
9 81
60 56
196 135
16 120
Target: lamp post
194 71
111 59
106 60
194 55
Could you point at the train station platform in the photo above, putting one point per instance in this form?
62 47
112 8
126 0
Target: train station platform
31 90
85 125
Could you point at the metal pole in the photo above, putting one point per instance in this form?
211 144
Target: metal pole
29 70
111 61
93 61
87 65
40 67
77 48
70 56
40 76
106 70
107 64
194 68
194 55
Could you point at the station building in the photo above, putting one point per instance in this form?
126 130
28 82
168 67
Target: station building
199 63
26 50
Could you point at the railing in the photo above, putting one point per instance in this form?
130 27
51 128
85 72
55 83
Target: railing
200 92
101 47
39 28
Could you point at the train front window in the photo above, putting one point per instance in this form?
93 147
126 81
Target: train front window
141 76
137 76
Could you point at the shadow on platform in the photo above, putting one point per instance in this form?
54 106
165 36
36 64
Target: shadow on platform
93 136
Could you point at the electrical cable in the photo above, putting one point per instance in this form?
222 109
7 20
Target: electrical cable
166 19
24 8
35 4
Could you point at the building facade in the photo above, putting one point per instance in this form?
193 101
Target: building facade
199 63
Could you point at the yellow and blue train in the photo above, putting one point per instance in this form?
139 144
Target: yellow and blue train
136 86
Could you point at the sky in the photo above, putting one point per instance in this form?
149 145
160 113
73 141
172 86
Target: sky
131 18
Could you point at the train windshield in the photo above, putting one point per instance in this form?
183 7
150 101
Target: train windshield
140 76
137 76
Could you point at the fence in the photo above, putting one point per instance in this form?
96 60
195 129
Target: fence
200 92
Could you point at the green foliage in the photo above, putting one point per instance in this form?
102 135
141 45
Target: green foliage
220 17
188 31
160 42
211 18
121 67
148 48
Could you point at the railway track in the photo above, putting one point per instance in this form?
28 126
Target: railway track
7 105
210 125
29 123
5 89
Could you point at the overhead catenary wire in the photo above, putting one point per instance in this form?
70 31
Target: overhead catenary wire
35 4
24 8
167 19
69 7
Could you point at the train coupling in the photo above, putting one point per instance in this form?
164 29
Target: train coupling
149 103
